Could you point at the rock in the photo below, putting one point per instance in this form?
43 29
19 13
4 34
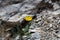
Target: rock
50 25
35 36
27 7
9 2
56 6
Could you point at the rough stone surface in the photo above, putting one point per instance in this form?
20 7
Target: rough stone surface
47 24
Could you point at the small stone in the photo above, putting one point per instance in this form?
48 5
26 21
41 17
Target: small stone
50 25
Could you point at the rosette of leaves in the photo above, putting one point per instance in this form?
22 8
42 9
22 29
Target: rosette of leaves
24 30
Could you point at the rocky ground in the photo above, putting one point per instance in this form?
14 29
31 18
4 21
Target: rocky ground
47 24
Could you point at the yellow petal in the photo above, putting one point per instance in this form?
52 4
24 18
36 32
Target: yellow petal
28 18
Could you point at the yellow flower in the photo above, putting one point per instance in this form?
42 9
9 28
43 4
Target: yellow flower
28 18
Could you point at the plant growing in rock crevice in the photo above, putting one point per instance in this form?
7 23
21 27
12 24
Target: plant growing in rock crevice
14 28
23 29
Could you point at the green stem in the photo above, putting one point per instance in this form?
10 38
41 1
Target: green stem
20 32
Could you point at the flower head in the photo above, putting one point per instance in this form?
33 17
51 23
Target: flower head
28 18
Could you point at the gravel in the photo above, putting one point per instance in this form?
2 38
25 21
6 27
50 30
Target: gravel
47 24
